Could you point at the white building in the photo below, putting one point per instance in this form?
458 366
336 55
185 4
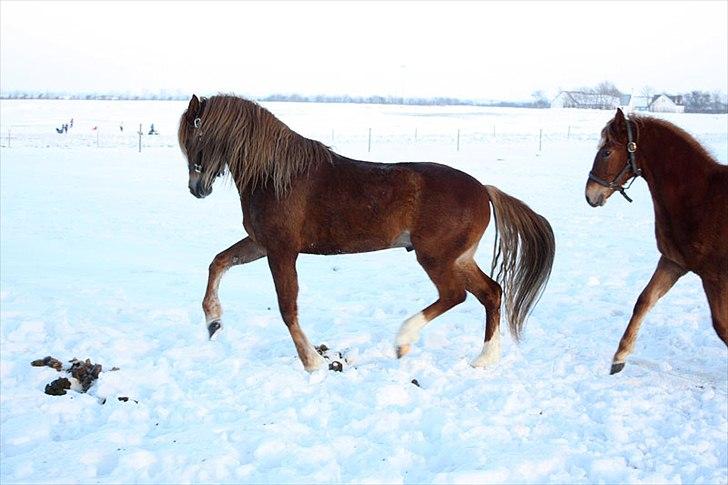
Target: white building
663 103
635 103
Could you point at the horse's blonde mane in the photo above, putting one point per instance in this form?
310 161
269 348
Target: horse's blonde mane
257 148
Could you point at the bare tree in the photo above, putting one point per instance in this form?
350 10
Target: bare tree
539 99
647 91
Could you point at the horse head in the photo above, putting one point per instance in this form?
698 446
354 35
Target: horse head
192 143
614 164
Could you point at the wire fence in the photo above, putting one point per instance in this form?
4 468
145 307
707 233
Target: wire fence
354 129
140 137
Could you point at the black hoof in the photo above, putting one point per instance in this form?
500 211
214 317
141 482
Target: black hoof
213 327
336 366
616 368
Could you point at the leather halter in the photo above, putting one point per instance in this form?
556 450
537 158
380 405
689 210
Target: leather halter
630 165
197 167
197 123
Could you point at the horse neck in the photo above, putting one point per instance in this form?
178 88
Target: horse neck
675 171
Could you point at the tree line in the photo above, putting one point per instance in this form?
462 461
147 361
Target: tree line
299 98
695 101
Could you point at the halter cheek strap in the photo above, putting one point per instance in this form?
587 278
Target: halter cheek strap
630 165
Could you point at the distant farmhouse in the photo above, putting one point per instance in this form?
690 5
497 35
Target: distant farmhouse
660 103
663 103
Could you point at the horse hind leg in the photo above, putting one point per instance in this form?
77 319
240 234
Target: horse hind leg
717 293
243 251
488 293
451 292
664 277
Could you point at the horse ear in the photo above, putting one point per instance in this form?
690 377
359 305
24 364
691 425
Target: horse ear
619 117
194 107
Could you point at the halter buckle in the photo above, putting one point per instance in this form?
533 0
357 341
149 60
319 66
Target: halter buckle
631 147
197 123
197 167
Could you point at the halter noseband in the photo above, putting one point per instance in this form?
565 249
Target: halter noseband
630 165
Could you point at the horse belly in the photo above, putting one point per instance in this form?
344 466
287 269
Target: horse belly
353 239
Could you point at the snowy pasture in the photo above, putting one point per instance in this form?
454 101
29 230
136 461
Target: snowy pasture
104 255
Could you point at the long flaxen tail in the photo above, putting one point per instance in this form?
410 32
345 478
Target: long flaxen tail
525 247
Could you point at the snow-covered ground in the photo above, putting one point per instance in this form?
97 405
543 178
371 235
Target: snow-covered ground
104 255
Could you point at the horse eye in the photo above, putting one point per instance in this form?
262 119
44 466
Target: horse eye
605 153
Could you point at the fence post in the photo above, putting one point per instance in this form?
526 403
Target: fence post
540 134
140 137
97 137
458 142
415 135
369 146
8 137
568 133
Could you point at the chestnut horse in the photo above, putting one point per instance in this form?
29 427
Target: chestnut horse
690 195
298 196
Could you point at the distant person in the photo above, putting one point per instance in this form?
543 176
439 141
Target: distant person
65 128
121 127
152 131
59 130
71 123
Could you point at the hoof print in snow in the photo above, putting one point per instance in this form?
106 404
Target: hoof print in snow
213 327
336 366
126 399
322 349
48 362
414 381
58 387
616 368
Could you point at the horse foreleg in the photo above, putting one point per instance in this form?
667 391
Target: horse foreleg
283 269
664 277
717 293
243 251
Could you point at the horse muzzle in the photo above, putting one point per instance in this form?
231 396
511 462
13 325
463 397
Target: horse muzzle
198 189
596 195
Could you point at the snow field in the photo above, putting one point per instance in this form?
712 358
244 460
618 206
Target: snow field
104 255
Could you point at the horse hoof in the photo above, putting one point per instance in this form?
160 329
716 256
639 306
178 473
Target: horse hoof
213 327
616 367
403 350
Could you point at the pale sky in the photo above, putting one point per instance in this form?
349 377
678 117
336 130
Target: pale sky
476 50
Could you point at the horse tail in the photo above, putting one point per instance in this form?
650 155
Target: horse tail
527 246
